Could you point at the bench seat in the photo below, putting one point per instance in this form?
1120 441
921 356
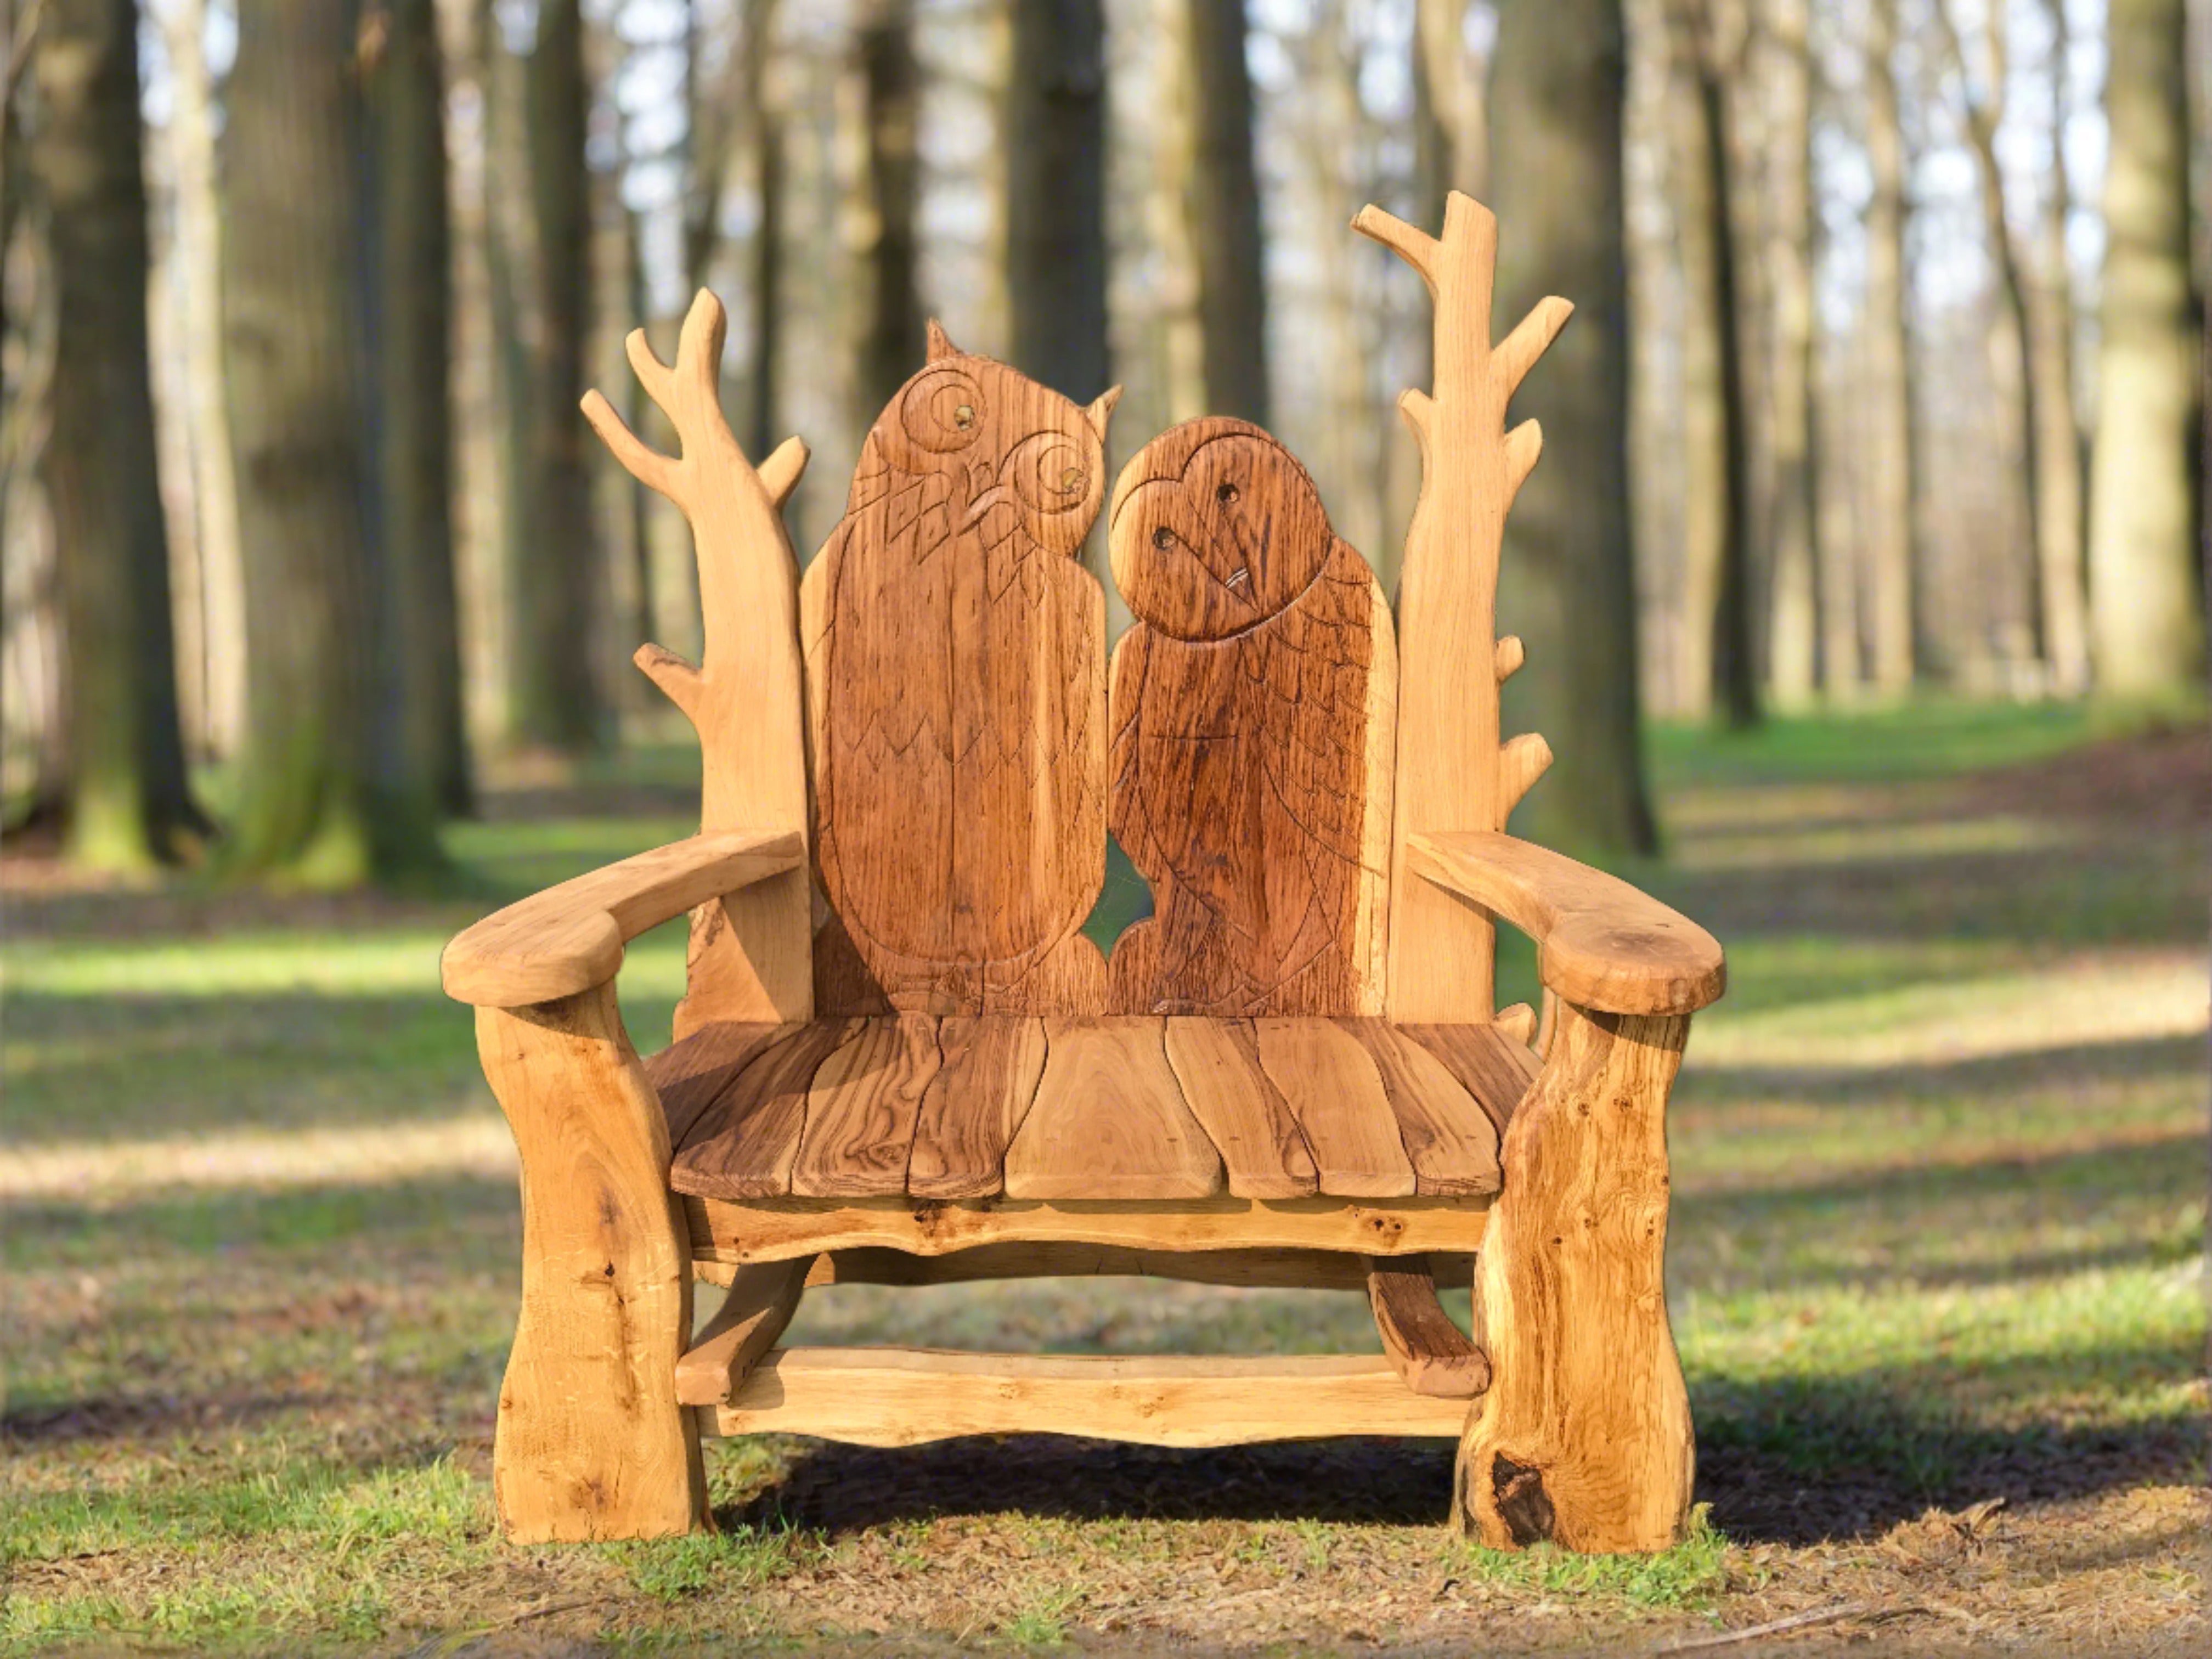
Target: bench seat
1115 1108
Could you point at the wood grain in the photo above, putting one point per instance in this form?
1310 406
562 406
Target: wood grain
1253 751
1583 1439
955 648
975 1104
754 1312
589 1441
1109 1120
1324 1072
860 1111
691 1075
1448 1138
569 939
1453 772
744 1145
729 1232
904 1397
749 955
1430 1354
1217 1061
1492 1066
1600 943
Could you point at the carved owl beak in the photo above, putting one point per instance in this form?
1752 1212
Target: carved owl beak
982 504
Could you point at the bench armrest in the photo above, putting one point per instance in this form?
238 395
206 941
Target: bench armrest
1603 944
570 938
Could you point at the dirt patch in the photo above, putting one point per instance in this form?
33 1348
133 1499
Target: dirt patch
2158 782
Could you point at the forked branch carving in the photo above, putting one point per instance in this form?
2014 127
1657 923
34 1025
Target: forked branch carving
1453 770
748 954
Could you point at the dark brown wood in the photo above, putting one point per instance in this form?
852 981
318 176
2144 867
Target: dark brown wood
744 1145
691 1076
1449 1139
1253 736
1433 1355
860 1111
1251 1125
1489 1066
955 649
974 1105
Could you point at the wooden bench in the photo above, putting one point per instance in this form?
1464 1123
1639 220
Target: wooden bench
899 1060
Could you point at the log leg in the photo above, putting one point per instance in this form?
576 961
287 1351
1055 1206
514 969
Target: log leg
591 1443
1583 1438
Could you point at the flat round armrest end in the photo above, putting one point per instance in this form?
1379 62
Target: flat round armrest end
491 967
1645 963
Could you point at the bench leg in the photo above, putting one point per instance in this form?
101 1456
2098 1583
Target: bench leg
591 1443
1584 1438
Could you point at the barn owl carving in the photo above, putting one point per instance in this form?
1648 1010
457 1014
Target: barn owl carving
955 649
1252 735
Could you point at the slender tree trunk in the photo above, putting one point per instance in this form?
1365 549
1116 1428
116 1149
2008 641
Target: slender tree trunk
1451 143
1222 205
1055 151
891 337
767 145
2061 526
406 89
1557 88
128 802
325 798
1890 457
1793 552
2146 496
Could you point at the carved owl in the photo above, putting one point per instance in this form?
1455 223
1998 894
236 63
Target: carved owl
955 699
1253 738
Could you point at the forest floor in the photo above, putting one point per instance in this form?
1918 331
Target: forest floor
1936 1270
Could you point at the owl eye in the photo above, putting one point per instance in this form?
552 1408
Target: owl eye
1162 538
1227 494
1047 473
942 409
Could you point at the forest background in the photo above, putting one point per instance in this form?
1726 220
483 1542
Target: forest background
1886 377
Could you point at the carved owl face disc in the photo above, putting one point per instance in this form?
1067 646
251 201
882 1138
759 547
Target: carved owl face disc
1215 527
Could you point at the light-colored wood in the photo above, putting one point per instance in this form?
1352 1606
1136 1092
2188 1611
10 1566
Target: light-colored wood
731 1232
1324 1072
1244 1114
1430 1353
744 1144
1601 944
1452 773
1305 1270
955 661
756 1309
1583 1438
691 1075
975 1104
1449 1139
904 1397
1489 1066
1518 1022
1253 747
860 1111
749 955
568 938
590 1442
1109 1120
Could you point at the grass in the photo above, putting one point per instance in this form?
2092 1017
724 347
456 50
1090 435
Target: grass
1938 1239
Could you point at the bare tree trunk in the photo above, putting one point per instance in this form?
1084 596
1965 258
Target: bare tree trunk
2146 496
1556 86
214 486
1890 457
327 799
769 181
128 802
1223 210
2060 529
406 91
1452 147
1055 151
1792 550
892 340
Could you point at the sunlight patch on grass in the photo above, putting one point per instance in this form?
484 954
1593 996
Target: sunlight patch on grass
1685 1578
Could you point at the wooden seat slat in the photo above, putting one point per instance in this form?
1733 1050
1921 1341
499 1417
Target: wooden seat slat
1251 1125
1334 1090
744 1145
1451 1144
860 1111
1109 1120
974 1105
691 1075
1490 1064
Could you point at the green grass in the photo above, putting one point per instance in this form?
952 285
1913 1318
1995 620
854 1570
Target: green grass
1937 1237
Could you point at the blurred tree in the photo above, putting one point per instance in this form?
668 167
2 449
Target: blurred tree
128 803
1056 158
764 140
1557 83
1887 514
889 190
2039 324
329 797
1783 62
2146 495
1222 204
405 78
1451 150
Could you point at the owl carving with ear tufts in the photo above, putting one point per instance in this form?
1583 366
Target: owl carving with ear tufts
955 719
1253 743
